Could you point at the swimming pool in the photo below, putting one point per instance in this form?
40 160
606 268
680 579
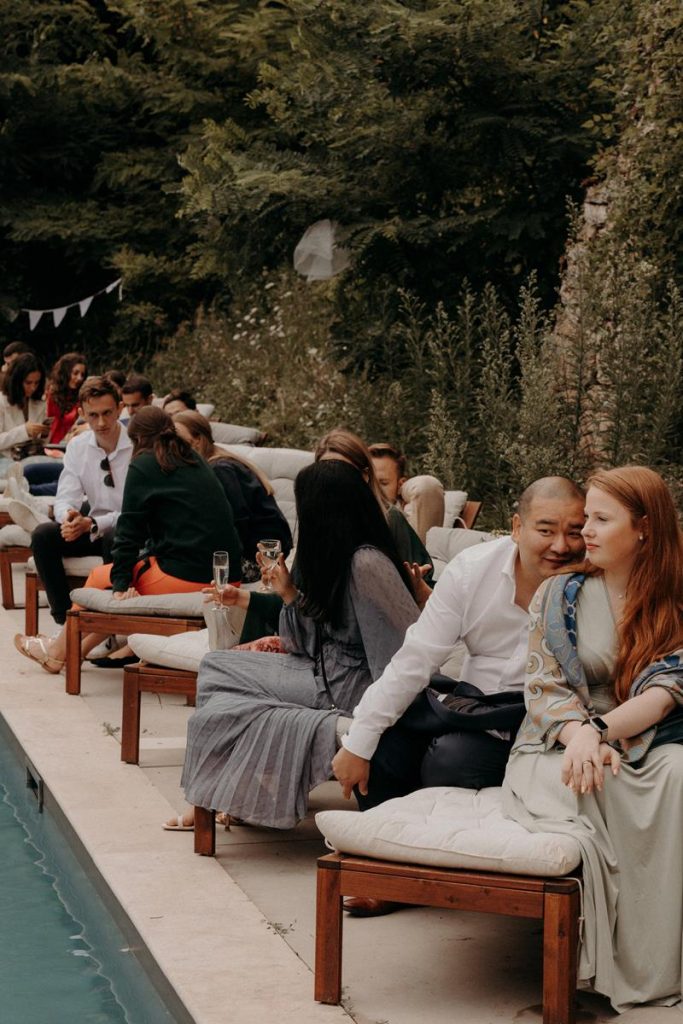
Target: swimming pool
64 959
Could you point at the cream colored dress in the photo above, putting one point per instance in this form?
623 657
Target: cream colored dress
631 838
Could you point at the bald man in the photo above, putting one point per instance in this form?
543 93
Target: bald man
482 598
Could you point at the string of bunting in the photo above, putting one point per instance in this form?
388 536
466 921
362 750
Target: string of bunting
58 314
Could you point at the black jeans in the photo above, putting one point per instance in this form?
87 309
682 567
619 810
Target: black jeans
49 548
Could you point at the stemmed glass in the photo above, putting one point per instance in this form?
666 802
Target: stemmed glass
221 568
270 551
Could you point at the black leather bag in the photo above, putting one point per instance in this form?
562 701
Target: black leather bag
448 705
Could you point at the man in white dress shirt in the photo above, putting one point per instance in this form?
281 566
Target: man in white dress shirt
95 467
481 599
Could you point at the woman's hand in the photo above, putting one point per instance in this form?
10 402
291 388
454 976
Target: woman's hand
421 590
581 763
278 577
123 595
230 597
37 429
351 770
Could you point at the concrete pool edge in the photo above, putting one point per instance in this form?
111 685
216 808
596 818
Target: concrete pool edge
211 952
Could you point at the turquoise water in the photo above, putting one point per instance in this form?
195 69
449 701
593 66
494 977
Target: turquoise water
63 959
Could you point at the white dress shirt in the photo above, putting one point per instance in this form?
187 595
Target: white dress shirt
473 601
83 475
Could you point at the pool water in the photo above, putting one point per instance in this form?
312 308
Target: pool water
63 958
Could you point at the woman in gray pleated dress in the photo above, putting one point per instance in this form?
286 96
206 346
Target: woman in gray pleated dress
600 753
264 731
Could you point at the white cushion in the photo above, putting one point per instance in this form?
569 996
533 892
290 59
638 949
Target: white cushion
281 466
454 503
73 566
449 828
167 605
231 433
205 408
12 536
443 545
183 650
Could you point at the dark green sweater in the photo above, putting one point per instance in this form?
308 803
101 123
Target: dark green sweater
181 517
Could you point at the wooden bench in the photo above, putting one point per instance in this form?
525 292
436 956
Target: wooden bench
554 901
142 678
34 587
81 621
13 555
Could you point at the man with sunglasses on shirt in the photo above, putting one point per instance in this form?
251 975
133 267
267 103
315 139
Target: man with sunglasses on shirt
95 467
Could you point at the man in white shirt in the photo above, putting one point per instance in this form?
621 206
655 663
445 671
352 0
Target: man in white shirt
95 467
481 599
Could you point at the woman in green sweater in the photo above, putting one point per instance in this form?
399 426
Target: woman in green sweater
174 516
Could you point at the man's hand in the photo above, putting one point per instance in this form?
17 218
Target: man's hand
351 770
75 525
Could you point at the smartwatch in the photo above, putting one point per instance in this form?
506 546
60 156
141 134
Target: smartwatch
600 726
94 529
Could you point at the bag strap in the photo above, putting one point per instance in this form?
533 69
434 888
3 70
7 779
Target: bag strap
328 691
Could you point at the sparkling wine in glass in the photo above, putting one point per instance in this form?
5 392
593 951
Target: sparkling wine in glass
270 552
221 568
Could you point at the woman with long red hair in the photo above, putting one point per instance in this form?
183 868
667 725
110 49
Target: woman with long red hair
599 755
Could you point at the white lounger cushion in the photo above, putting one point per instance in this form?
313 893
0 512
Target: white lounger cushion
449 828
185 606
454 503
183 651
443 545
12 536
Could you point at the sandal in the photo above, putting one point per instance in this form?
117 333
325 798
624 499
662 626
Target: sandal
177 823
35 648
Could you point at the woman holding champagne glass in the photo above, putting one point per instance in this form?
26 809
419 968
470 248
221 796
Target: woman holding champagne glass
265 729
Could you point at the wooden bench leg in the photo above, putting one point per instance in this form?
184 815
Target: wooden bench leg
130 721
6 581
73 654
560 951
32 590
204 831
328 936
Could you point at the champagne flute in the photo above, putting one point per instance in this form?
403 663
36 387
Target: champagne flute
270 551
221 568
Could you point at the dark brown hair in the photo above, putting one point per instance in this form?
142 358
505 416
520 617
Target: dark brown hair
151 430
61 394
380 450
13 384
199 429
98 387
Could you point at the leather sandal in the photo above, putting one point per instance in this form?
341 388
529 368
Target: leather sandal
35 648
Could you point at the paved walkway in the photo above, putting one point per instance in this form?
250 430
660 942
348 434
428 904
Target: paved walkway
235 935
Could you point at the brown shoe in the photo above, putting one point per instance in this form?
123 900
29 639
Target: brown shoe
366 906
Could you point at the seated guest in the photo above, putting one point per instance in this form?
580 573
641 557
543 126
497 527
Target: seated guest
481 599
10 354
95 466
22 410
419 498
136 393
178 401
264 731
600 754
117 377
248 490
175 511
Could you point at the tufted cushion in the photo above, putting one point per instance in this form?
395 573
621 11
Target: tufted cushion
183 651
281 466
12 536
73 566
443 545
454 503
230 433
185 606
449 828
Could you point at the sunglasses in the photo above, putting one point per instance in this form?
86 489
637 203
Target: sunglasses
106 469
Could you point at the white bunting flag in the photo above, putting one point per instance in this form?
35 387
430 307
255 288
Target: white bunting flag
84 305
34 316
58 315
114 284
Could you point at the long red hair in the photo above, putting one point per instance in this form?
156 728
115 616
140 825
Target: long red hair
652 624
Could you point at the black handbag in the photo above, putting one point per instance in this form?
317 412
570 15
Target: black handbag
449 705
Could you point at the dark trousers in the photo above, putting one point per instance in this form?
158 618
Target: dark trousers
410 756
49 548
42 477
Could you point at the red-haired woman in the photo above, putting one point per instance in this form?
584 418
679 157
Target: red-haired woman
600 753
